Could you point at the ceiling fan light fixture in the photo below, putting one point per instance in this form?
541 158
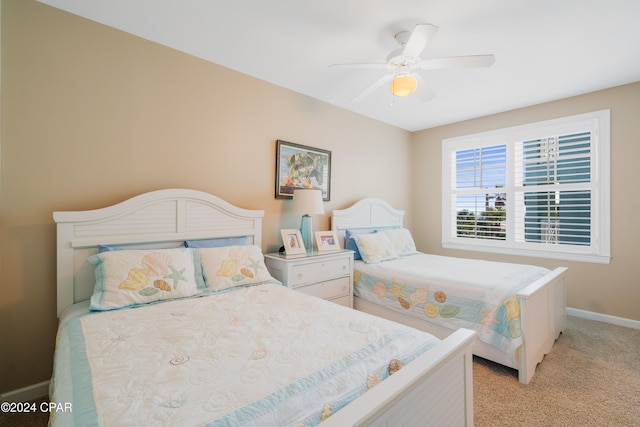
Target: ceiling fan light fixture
403 85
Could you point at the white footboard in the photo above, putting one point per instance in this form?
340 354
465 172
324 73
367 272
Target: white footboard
543 316
436 388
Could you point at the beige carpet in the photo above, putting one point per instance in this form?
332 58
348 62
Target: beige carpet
590 378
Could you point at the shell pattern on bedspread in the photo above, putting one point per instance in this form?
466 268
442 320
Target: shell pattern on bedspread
502 319
248 356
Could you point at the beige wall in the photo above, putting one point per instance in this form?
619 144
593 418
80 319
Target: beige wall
612 289
92 116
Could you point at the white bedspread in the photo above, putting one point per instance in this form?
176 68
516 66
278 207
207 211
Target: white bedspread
452 292
260 355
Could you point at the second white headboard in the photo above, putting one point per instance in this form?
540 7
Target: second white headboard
366 214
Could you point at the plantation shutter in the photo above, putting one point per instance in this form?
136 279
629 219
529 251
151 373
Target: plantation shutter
553 190
480 174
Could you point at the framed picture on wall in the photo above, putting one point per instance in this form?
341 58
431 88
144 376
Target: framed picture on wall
292 241
299 166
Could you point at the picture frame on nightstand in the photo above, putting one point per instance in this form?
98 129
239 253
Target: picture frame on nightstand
292 241
327 241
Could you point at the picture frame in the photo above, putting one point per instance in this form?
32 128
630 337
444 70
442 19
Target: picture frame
292 242
327 241
300 166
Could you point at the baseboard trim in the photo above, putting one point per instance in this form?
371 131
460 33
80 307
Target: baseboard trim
24 394
620 321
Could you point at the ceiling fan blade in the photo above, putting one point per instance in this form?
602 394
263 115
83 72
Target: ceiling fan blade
347 66
362 95
418 40
423 91
472 61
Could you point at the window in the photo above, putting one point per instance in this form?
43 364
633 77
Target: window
535 190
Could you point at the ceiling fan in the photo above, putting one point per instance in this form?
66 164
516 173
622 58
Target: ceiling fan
403 62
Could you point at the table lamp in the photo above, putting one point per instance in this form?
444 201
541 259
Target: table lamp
307 202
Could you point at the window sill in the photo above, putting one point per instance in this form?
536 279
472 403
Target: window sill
586 257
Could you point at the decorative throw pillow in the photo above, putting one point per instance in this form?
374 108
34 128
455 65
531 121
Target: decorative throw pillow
231 266
375 247
350 243
133 277
401 240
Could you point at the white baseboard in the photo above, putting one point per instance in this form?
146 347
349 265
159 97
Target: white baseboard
24 394
620 321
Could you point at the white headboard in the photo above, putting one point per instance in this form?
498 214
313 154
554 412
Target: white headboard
158 219
366 214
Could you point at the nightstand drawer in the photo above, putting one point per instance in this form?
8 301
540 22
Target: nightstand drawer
324 275
345 300
313 272
329 289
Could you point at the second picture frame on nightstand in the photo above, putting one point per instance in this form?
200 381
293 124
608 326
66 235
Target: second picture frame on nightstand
327 241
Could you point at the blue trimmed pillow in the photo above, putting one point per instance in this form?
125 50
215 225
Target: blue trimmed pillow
108 248
350 243
133 277
217 243
402 241
375 247
232 266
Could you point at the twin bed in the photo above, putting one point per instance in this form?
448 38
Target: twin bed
517 311
153 332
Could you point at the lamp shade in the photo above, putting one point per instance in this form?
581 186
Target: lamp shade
307 202
403 85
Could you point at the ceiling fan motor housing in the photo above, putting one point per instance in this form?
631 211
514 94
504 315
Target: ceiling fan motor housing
396 61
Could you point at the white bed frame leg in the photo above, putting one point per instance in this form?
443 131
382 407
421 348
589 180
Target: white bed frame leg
543 315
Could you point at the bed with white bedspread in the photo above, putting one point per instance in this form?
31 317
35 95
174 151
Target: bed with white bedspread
517 310
154 333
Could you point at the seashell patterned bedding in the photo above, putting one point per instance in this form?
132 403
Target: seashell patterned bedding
255 355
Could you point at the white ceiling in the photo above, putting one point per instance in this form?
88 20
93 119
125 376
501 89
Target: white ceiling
545 49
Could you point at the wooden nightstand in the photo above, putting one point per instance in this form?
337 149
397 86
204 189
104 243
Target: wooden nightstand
327 275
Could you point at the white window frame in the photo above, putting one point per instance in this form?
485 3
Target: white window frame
599 251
